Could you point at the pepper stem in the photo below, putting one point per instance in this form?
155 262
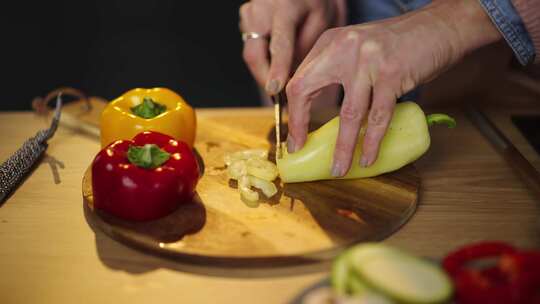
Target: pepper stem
148 108
440 119
149 156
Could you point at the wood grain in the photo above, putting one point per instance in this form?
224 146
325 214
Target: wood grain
303 223
50 255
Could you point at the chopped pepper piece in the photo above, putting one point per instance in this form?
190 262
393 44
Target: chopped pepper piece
157 109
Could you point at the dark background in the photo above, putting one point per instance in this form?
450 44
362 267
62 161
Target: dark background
107 47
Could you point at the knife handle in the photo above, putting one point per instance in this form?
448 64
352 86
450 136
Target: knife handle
528 174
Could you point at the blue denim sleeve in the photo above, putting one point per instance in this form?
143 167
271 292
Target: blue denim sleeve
507 20
361 11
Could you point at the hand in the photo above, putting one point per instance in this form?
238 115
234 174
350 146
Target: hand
378 62
293 27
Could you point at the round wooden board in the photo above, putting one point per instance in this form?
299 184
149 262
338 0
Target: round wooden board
304 223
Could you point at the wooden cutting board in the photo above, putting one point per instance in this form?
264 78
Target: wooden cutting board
303 223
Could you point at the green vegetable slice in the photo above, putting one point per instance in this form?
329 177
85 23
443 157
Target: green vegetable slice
262 168
400 276
340 274
355 285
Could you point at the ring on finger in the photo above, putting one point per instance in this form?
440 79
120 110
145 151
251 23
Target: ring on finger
252 35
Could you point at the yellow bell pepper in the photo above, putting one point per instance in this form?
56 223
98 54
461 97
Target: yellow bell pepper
156 109
406 139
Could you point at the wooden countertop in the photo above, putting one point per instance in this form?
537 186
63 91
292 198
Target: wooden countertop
50 254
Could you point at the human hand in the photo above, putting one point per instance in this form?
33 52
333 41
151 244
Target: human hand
378 62
293 26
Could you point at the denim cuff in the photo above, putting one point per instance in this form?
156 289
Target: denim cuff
361 11
507 20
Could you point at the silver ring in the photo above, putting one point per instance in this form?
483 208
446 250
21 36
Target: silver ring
252 35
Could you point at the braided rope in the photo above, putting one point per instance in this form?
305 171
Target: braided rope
18 165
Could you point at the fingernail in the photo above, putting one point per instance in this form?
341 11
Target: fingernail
272 87
337 169
364 161
290 144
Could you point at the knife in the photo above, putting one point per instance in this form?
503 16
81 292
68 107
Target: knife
279 100
515 159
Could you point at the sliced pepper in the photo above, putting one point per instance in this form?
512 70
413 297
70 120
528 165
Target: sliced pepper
156 109
145 178
512 277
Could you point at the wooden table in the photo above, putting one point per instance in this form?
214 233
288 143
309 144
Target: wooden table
49 254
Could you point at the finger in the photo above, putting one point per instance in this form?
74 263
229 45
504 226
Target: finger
255 55
341 13
380 115
243 13
304 85
284 27
254 17
353 110
310 31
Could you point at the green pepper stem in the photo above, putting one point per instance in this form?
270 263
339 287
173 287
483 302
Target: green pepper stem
149 156
148 108
441 119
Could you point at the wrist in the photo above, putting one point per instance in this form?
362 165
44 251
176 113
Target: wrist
472 28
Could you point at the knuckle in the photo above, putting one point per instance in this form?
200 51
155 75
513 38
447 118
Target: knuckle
407 81
294 88
349 39
344 149
370 49
407 84
344 146
379 117
289 9
244 8
372 140
329 33
349 113
280 43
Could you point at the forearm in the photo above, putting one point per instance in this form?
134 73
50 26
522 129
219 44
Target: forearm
467 25
442 33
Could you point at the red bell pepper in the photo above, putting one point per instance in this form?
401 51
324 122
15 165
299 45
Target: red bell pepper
145 178
511 277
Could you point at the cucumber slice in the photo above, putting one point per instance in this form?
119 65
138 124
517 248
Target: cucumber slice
340 274
341 268
355 285
399 275
369 298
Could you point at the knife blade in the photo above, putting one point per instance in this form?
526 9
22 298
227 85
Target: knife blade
278 100
528 174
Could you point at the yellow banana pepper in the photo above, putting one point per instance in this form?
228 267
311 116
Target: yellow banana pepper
156 109
406 139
